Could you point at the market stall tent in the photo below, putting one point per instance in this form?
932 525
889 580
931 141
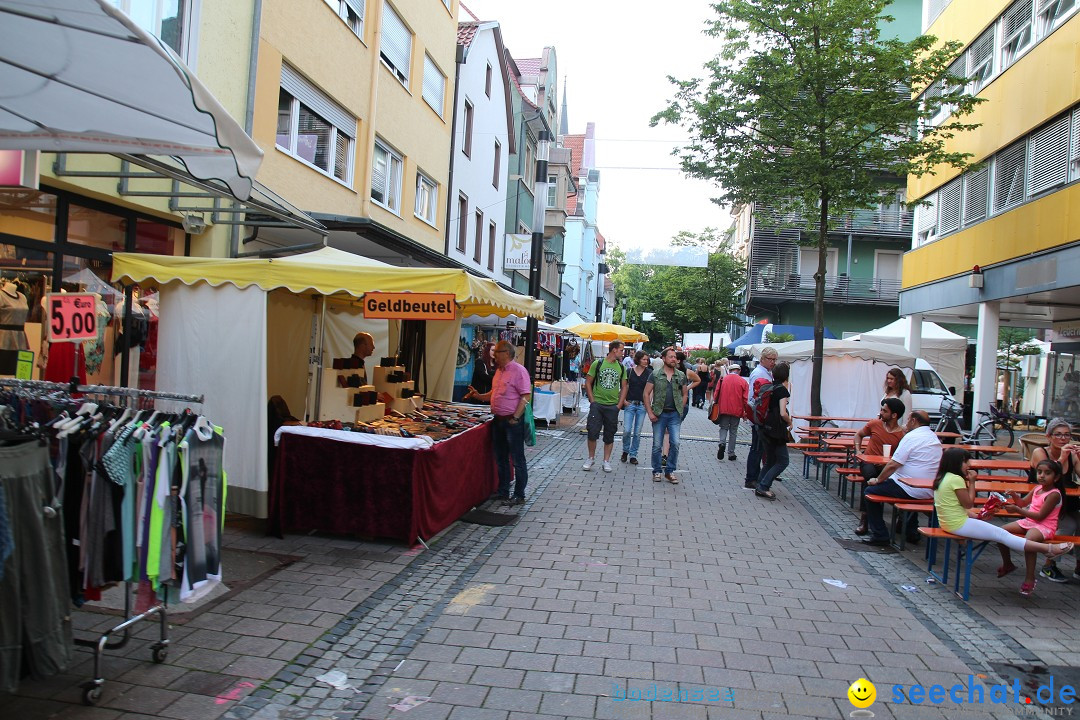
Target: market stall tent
852 374
943 349
240 330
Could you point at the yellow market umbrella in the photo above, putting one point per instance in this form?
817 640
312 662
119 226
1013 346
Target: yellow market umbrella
607 331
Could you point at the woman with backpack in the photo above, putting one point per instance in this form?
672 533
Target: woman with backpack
774 431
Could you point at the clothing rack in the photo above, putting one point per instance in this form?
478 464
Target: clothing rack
159 651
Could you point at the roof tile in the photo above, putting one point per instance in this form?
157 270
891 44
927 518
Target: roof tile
466 31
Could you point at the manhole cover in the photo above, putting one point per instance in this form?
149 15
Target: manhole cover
860 546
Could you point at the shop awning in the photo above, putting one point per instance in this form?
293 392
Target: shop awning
328 272
80 76
608 331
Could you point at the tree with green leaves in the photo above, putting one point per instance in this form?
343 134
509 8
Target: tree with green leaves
809 111
686 299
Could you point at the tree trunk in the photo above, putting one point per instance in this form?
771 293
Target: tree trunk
819 305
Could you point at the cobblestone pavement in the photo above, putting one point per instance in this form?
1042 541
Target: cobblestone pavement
608 584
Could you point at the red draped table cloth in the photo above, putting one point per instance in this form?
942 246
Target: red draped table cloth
344 488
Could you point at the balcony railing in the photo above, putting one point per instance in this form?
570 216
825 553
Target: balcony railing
878 222
838 289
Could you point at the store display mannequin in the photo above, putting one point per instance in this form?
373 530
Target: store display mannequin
13 312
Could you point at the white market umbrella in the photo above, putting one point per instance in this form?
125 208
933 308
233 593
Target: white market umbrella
80 76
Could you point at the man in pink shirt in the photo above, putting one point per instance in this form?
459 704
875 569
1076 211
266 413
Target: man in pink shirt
511 388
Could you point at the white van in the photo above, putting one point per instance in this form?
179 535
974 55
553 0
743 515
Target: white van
928 389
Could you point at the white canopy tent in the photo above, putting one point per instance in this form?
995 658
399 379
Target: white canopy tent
941 348
571 320
852 374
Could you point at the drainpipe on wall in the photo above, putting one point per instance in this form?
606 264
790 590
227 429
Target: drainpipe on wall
459 60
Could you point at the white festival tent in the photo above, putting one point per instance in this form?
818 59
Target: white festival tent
571 320
943 349
852 374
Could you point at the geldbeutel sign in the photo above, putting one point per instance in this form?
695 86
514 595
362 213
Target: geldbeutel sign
409 306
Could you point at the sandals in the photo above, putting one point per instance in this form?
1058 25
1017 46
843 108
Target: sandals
767 494
672 479
1064 549
1005 570
657 477
1027 588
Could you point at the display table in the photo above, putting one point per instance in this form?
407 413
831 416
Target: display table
337 485
569 390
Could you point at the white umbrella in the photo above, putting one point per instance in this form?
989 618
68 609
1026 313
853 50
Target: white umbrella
92 283
80 76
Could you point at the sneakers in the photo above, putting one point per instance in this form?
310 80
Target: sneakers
588 464
607 466
732 457
720 453
633 461
624 456
1051 573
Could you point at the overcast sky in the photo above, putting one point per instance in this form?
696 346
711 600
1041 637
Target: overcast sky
614 57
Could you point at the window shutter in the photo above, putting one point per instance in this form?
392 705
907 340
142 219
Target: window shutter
296 85
396 44
950 207
928 213
1009 176
434 85
1049 156
1016 18
975 189
1074 152
357 7
379 172
935 8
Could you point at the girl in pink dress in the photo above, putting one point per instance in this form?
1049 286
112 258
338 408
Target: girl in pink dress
1040 509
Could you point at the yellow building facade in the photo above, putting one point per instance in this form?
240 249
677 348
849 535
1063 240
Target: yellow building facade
1000 243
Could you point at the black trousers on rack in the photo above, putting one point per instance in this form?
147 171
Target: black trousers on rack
35 615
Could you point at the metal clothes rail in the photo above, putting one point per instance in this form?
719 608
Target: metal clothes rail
158 651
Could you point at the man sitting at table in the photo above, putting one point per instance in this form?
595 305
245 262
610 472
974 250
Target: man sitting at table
882 431
917 456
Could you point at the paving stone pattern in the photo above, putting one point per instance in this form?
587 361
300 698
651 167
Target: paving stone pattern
608 584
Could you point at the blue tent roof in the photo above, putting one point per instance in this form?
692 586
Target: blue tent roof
756 334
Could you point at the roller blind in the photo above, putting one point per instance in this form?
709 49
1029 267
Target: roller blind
296 85
1009 176
928 213
396 47
950 207
434 85
975 195
1049 157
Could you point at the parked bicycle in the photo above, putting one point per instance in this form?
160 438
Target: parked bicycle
996 428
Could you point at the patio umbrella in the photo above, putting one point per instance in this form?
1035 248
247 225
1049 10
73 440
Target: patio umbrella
80 76
607 331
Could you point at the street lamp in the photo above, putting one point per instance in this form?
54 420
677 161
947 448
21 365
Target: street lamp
550 256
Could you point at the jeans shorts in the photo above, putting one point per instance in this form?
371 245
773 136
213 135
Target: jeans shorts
606 416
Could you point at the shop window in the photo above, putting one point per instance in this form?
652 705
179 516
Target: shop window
29 214
158 239
96 229
24 279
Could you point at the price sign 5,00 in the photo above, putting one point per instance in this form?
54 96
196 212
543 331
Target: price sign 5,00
72 317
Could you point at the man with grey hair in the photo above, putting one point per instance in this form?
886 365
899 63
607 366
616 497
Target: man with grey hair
761 376
511 389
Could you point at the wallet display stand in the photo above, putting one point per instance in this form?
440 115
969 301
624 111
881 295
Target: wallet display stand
343 403
390 381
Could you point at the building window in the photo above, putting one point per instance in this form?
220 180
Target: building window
980 61
1016 35
167 20
491 245
487 80
463 222
434 85
497 171
395 48
478 241
427 198
1009 177
313 128
926 220
527 172
351 13
466 145
1049 166
949 206
553 191
386 177
1074 147
1053 13
975 195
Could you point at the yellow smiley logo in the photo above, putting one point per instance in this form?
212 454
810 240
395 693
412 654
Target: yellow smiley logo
862 693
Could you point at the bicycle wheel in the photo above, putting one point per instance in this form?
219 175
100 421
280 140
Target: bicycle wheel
991 432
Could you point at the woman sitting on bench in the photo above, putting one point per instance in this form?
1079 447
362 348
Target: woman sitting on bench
954 500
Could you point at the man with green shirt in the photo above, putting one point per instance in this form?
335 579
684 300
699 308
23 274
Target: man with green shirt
606 387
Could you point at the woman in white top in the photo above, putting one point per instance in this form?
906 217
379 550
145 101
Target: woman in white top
896 385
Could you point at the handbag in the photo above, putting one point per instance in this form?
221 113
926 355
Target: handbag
714 413
530 425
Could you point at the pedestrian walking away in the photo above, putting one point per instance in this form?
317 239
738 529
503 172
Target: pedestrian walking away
634 408
774 431
761 375
729 395
511 389
605 385
666 396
